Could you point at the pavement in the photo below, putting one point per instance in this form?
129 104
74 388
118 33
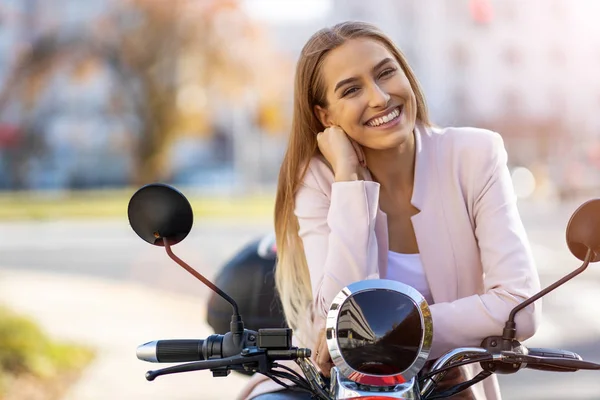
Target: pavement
115 314
115 318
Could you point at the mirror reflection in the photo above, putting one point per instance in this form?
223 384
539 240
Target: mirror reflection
379 332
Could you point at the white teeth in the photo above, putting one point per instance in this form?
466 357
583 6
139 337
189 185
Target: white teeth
384 119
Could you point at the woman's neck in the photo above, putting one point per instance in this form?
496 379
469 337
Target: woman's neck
394 168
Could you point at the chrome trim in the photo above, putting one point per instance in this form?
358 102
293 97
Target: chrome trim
147 352
426 323
451 356
344 389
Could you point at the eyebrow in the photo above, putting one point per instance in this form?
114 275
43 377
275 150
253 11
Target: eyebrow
352 79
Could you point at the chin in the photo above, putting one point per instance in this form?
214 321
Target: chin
390 140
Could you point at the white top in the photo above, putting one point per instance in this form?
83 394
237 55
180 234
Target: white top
408 269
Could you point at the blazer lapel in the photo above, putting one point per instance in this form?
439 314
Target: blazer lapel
381 233
429 224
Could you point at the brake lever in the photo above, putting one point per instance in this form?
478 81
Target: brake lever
566 363
258 357
262 358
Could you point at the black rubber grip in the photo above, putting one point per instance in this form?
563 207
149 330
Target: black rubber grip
554 353
181 350
541 352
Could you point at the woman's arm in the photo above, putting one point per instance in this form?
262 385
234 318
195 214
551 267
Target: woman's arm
337 231
509 271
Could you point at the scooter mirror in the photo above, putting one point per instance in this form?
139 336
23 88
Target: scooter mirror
583 230
158 211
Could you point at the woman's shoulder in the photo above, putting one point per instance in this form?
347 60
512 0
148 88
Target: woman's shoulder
466 137
470 146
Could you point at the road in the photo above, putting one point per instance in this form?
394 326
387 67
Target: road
110 250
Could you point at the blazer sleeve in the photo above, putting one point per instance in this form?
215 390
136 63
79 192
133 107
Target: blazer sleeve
510 275
338 233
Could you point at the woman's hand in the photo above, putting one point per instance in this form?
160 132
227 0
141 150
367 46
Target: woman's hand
345 156
321 356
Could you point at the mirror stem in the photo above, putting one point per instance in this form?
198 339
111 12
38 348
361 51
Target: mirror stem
200 277
510 329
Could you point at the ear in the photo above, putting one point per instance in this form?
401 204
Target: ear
323 116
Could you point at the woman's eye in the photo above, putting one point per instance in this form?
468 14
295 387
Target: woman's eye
350 91
387 72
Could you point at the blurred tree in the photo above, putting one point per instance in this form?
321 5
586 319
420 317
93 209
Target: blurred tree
181 65
196 60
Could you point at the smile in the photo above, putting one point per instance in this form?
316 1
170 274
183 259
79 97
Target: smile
391 117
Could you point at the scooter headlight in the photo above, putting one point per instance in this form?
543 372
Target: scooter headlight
379 332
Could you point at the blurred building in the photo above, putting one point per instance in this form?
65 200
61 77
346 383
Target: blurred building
70 121
528 69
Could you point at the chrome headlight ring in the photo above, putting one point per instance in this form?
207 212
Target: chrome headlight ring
424 344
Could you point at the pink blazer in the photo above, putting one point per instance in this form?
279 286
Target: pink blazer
471 240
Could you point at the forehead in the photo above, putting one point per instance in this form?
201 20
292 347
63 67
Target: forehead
352 59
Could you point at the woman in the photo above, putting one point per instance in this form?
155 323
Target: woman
370 189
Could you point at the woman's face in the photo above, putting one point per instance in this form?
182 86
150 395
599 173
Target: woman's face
368 94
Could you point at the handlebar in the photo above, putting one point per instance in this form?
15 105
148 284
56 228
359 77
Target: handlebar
556 364
452 359
554 353
209 354
185 350
555 360
172 351
249 360
255 352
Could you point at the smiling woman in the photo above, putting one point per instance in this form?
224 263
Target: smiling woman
373 102
369 188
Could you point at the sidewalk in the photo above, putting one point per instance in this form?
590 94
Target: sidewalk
115 318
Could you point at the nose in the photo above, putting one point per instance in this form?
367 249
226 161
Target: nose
378 98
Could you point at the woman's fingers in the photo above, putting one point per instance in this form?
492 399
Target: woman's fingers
360 154
322 357
338 149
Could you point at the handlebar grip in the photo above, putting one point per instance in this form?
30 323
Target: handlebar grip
558 353
180 350
554 353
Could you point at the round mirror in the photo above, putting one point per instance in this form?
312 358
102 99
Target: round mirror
583 230
379 332
158 211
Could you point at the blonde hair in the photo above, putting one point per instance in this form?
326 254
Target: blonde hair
292 275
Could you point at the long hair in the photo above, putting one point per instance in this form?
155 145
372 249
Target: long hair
292 275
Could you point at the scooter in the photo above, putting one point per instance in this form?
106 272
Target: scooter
379 332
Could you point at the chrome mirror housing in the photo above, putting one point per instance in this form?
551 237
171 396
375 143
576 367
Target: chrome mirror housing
379 332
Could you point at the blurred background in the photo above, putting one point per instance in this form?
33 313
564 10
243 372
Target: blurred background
99 97
106 94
